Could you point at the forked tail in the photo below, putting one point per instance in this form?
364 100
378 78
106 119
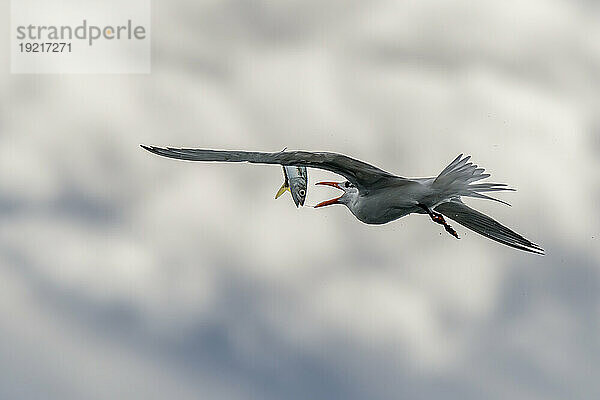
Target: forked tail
459 177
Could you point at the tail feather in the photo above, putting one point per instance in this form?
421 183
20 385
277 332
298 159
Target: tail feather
462 164
458 178
486 197
451 165
490 187
478 176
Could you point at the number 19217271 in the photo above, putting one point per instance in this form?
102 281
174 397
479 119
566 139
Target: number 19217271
45 47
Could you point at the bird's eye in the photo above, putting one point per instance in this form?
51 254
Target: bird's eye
347 184
302 192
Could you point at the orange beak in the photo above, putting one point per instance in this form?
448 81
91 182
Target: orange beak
332 201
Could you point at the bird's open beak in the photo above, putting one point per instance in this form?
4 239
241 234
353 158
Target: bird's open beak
332 201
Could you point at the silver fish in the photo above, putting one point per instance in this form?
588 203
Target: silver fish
296 181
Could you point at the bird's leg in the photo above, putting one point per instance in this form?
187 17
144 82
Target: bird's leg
439 219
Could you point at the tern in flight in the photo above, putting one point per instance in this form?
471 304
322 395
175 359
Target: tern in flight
376 197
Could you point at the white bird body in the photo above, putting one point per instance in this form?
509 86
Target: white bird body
388 204
377 197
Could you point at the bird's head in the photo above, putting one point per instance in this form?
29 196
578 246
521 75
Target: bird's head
350 193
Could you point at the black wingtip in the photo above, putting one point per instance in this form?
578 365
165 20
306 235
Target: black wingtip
151 149
538 250
532 248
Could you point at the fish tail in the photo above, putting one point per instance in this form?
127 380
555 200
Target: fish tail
282 190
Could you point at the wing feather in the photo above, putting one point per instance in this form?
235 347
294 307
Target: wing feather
486 226
361 174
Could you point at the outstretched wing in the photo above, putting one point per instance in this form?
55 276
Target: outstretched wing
486 226
361 174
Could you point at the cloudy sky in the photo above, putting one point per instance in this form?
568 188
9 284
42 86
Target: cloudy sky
124 275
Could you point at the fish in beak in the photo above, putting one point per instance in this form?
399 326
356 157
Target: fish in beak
295 181
336 185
